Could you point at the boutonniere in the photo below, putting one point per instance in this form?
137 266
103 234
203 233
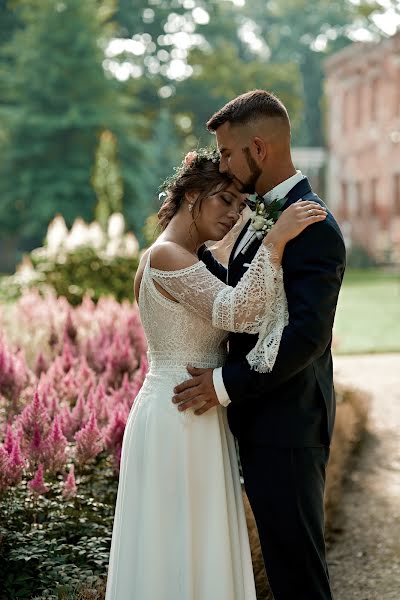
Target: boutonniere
264 217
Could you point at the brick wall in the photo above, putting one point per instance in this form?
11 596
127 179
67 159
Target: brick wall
363 125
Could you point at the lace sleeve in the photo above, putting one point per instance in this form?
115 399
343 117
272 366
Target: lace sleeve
256 305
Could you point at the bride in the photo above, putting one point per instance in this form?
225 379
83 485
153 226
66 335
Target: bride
180 530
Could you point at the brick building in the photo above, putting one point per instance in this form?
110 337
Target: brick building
363 123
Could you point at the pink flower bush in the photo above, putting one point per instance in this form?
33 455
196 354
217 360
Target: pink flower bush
88 441
37 484
70 489
14 374
70 398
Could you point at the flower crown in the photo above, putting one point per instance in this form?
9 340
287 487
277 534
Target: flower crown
191 160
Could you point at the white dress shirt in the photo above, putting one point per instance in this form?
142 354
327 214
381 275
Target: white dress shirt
279 191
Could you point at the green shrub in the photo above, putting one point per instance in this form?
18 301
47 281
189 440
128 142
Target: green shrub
85 261
85 272
51 546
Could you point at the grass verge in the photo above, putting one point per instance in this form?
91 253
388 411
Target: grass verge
368 314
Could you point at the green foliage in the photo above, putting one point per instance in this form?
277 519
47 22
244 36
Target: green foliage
58 100
83 262
81 273
59 91
107 180
212 84
50 545
84 272
148 155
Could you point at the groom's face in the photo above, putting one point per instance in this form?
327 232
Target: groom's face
236 158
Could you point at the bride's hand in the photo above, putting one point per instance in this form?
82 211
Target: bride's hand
294 220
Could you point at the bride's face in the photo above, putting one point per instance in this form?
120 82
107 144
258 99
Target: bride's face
219 212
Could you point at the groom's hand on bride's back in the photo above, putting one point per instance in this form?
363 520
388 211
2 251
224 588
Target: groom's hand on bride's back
197 392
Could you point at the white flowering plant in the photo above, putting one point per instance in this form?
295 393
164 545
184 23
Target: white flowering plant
83 261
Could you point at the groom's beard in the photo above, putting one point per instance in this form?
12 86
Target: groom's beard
249 186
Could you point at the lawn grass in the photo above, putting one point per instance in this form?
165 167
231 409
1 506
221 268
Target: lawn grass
368 313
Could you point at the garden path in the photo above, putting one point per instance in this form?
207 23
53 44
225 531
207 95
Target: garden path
364 555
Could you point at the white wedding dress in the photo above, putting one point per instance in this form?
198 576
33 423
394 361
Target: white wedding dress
180 530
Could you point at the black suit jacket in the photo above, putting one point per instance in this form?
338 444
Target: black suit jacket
294 404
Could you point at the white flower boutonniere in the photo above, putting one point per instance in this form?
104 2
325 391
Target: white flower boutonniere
264 217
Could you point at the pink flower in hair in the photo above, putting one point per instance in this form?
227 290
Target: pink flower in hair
190 158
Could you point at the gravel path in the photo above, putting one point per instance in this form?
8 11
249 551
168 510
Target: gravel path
364 555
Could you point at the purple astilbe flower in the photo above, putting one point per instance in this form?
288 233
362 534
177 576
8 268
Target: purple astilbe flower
85 376
79 414
14 374
67 355
9 439
114 433
41 365
100 398
33 419
69 490
121 359
37 484
68 425
34 423
70 330
37 449
113 436
16 464
57 446
88 441
4 470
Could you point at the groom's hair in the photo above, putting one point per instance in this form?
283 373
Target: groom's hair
248 107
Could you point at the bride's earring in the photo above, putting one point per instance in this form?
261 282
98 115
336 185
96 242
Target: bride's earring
190 207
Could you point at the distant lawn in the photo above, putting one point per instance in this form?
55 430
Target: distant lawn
368 314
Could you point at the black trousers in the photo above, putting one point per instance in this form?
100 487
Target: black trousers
285 487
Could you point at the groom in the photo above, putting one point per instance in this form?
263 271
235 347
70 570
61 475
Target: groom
284 419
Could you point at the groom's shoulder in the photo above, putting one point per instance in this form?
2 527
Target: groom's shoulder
330 222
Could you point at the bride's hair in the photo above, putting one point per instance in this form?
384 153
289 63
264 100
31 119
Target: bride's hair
199 171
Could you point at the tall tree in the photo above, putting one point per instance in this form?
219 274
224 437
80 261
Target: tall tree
57 103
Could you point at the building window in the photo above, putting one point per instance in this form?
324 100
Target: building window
396 193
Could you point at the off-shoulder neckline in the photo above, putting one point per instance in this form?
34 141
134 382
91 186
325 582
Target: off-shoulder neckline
184 271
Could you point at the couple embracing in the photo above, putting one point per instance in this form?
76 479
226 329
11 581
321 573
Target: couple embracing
257 338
